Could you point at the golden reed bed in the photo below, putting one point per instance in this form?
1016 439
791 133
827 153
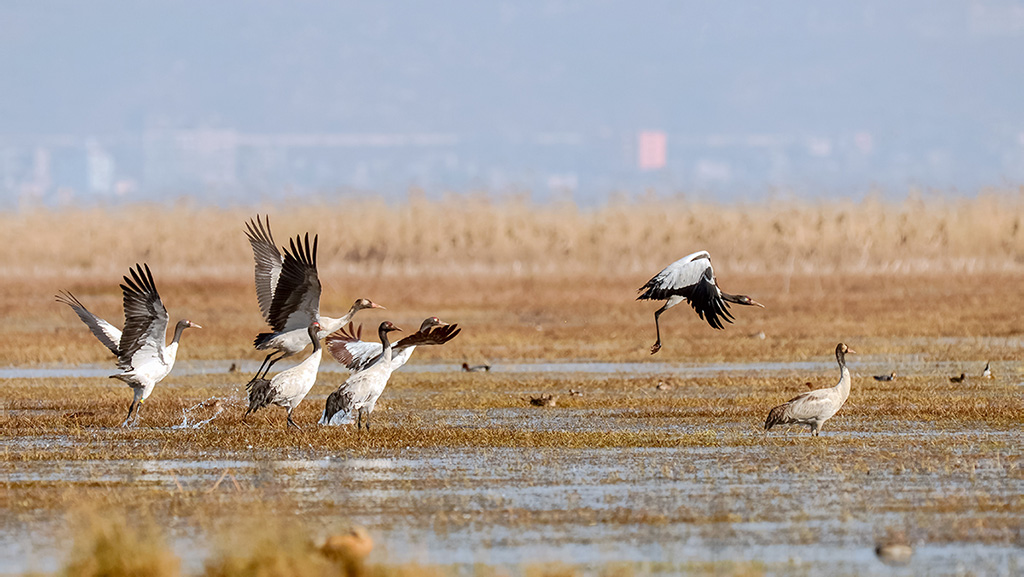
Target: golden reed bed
542 282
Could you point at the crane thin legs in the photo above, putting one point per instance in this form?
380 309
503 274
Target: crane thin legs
359 420
263 372
657 328
127 420
291 423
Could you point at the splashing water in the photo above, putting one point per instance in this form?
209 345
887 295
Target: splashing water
215 403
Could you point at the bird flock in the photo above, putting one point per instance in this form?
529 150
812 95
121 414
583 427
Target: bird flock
288 292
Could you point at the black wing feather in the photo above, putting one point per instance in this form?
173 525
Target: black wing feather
297 296
144 315
706 299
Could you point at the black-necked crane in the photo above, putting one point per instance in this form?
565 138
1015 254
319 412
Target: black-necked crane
987 373
813 408
288 388
960 379
358 395
890 377
141 354
692 279
347 348
288 291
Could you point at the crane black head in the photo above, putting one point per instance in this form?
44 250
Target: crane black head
387 327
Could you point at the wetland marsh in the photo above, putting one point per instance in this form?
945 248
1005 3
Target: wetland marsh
660 466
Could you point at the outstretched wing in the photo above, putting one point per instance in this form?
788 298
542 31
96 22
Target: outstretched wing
145 320
346 346
693 278
268 262
432 336
107 333
296 300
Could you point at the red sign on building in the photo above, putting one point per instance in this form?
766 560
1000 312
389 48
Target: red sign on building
651 149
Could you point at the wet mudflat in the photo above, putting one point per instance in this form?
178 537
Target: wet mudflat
650 472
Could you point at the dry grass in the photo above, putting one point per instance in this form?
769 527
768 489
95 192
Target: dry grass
531 282
106 545
930 279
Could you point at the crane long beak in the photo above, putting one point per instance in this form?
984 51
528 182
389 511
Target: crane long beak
374 305
195 326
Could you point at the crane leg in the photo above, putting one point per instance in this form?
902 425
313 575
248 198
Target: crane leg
263 371
657 328
359 419
127 419
291 423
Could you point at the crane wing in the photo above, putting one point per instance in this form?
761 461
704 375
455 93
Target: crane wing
808 405
693 278
432 336
145 320
296 300
676 278
357 355
706 299
107 333
347 348
268 262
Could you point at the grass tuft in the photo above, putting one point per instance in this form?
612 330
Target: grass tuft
106 545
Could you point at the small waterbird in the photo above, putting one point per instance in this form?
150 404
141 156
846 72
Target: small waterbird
894 550
288 291
813 408
141 354
544 400
890 377
287 388
692 279
358 395
466 367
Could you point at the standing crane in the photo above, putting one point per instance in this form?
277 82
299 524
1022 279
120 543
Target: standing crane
812 409
290 386
359 394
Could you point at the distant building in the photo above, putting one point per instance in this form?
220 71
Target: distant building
651 149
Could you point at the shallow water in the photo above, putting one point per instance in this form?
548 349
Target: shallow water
504 506
733 500
862 365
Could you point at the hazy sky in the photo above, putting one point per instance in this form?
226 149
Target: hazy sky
284 66
919 72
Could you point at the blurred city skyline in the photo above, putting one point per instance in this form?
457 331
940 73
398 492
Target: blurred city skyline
233 100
